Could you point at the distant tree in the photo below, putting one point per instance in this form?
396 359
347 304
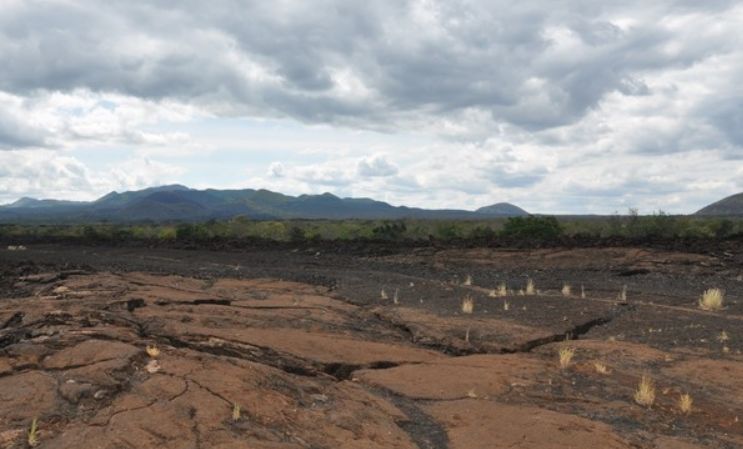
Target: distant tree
532 228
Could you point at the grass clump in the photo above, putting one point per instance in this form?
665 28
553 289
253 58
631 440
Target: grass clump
645 393
500 291
567 290
622 296
468 305
33 433
601 368
530 288
685 403
712 299
566 356
467 280
236 412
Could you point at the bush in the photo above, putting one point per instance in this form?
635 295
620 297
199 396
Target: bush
532 228
389 231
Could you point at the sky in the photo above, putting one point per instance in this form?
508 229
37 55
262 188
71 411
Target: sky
557 106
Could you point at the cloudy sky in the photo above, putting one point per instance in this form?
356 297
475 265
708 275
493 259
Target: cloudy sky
559 106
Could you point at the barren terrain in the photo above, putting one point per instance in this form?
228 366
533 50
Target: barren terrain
321 348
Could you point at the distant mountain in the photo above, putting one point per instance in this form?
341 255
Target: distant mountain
502 210
730 206
179 203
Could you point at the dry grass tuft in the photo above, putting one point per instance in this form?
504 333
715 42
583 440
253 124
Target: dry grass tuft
236 413
530 288
499 291
567 290
712 299
566 356
723 337
645 393
685 403
396 296
582 292
601 368
622 296
383 295
506 306
468 305
152 351
472 394
33 433
467 280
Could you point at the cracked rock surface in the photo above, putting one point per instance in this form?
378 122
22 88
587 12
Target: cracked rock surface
132 348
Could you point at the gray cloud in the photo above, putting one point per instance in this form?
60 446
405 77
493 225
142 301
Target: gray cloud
534 64
16 134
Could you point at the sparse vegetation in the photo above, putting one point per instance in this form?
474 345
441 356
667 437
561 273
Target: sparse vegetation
33 433
566 356
468 305
396 297
582 292
685 403
383 295
506 306
712 299
467 280
567 290
523 229
723 337
530 288
601 368
236 412
645 393
622 296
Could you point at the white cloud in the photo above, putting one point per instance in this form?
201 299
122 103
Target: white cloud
375 166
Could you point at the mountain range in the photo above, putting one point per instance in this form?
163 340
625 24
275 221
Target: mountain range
180 203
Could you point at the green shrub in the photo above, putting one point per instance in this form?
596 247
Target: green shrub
532 228
389 230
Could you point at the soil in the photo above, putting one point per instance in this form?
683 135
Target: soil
328 347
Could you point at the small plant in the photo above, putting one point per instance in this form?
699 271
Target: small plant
566 356
567 290
582 292
601 368
723 337
530 288
712 299
521 292
685 403
467 280
622 297
33 433
396 296
467 335
500 291
236 412
152 351
383 295
506 305
472 394
645 393
468 305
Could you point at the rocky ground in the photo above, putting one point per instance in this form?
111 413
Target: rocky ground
319 348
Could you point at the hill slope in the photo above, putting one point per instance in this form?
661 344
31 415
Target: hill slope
730 206
179 203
